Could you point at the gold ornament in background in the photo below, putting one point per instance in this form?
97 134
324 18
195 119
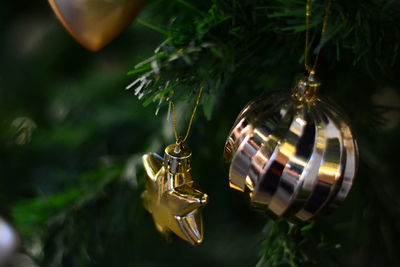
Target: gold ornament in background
95 23
294 154
170 195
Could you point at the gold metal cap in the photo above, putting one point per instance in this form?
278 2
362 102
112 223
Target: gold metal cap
306 88
177 158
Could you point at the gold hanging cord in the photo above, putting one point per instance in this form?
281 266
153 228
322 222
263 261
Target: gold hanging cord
178 139
323 32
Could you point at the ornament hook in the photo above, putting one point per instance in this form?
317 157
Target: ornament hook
307 46
178 138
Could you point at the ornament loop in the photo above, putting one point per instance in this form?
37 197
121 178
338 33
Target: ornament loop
179 143
307 46
177 137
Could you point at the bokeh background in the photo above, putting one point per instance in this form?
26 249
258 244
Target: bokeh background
72 139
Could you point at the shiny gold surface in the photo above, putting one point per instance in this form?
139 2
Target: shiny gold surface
170 195
306 88
95 23
294 154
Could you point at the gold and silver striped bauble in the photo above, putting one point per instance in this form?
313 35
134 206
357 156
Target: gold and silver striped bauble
294 153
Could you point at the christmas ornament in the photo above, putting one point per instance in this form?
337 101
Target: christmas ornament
95 23
294 154
8 241
170 195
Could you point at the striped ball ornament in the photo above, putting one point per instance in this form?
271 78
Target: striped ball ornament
293 153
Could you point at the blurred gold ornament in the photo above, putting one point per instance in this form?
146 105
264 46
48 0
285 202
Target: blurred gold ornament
170 195
95 23
294 154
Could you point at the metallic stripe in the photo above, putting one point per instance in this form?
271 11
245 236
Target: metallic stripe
292 179
249 147
289 181
258 168
248 119
309 176
350 147
268 177
329 172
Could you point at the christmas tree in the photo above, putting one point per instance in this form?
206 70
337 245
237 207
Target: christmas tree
75 125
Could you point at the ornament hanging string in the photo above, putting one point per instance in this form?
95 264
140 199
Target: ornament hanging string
323 32
178 139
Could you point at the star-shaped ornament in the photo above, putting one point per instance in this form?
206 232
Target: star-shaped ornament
170 195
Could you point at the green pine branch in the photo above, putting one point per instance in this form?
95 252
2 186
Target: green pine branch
291 245
211 46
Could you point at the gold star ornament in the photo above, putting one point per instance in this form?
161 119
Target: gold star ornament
170 195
